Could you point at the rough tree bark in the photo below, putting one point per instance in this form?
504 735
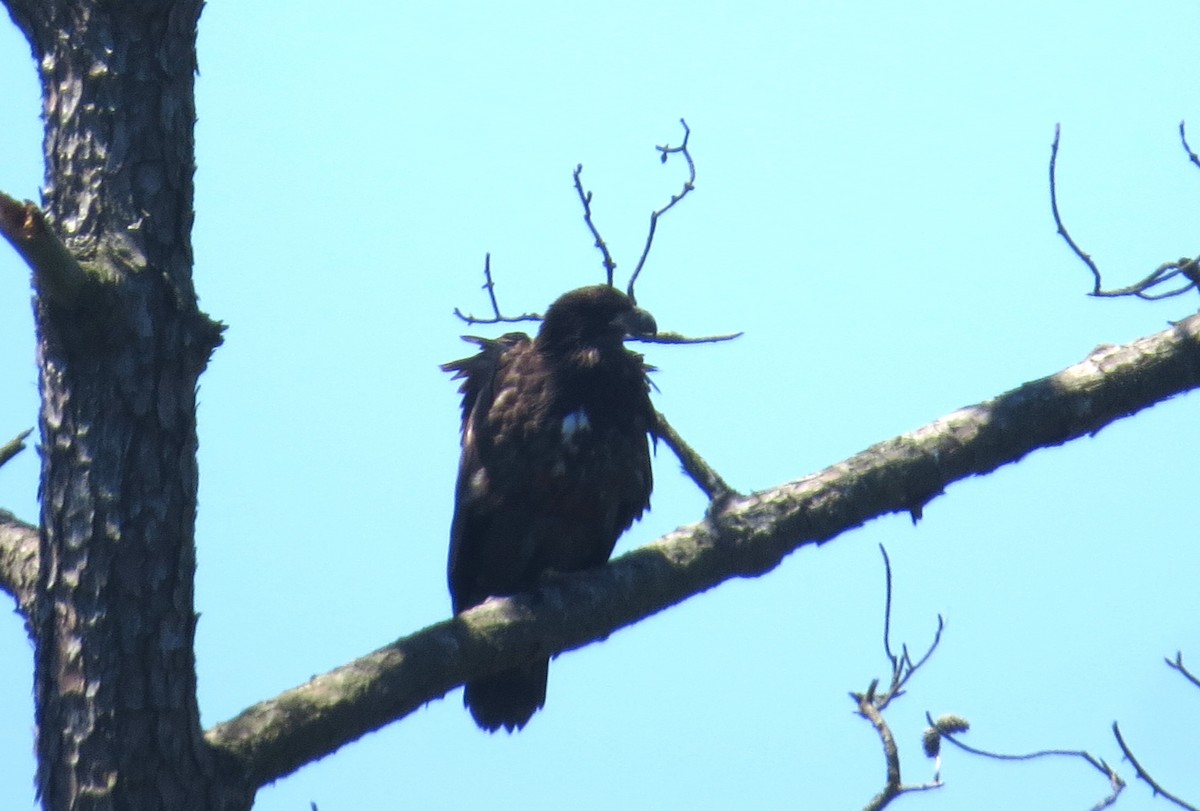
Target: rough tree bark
106 581
121 345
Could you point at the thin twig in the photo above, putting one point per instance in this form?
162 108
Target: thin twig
585 197
14 446
1095 762
1062 229
1183 139
1114 780
688 185
490 287
903 666
676 338
872 703
887 608
1188 268
698 470
1178 665
1142 773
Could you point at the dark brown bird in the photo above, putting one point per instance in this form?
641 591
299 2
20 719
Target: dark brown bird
555 466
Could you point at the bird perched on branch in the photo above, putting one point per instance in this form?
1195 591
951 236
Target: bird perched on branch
555 466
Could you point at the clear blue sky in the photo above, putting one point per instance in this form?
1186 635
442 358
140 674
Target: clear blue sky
871 208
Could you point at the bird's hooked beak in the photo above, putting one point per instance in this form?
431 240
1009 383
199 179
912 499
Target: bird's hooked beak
636 323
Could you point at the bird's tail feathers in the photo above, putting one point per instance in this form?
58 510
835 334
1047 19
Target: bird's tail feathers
509 698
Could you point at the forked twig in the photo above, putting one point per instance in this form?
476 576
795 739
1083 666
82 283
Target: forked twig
490 287
666 150
1178 665
1187 268
872 703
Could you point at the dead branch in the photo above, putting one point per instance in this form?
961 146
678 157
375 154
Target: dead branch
872 703
586 199
1187 268
676 338
57 275
1186 148
14 446
666 150
1116 783
1144 775
698 470
490 286
1178 665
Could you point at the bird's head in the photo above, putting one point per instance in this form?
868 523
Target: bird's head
597 317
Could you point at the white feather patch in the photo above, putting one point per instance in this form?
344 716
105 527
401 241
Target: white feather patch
573 423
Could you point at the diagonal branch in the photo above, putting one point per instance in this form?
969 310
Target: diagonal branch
1141 772
14 446
694 465
56 273
745 537
1178 665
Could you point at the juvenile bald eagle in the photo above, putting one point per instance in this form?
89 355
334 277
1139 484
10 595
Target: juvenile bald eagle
555 466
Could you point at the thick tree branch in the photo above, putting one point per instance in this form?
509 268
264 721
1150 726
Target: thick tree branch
746 537
18 560
56 273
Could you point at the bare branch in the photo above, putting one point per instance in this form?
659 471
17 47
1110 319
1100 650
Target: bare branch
676 338
749 536
586 199
887 609
1178 665
1144 775
1116 783
490 287
1183 139
871 704
698 470
1187 268
688 185
903 666
14 446
1062 229
893 787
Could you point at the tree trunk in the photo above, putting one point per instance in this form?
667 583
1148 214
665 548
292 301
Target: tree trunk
120 353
